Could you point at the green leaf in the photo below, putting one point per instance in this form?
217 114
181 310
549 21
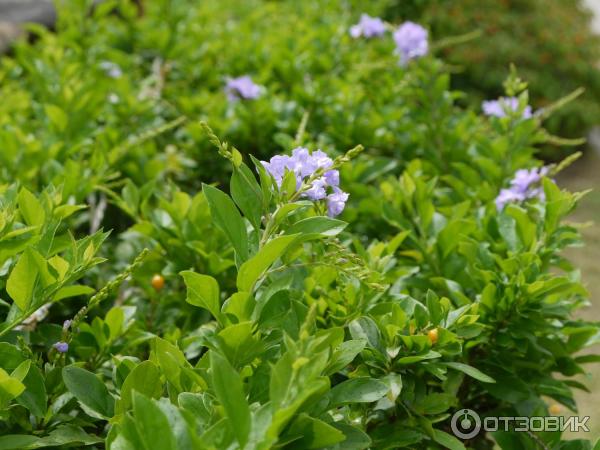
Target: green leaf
314 433
252 269
10 388
31 209
526 228
471 371
22 280
18 442
357 390
89 390
58 118
447 440
34 397
365 328
247 194
227 217
145 379
229 389
431 354
74 290
434 307
354 438
202 291
152 424
324 226
241 305
345 354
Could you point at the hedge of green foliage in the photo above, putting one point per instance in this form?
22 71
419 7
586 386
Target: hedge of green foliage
164 289
550 41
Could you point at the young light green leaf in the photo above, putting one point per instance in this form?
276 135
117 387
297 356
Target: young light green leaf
31 209
22 280
202 291
252 269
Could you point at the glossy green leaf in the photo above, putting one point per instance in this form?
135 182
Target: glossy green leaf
89 390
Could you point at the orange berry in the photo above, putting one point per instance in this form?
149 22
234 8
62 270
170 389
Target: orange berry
555 409
433 335
158 282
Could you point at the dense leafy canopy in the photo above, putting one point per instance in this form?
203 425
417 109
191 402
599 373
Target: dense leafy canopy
227 308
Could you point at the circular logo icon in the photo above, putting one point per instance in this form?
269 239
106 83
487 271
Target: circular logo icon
465 423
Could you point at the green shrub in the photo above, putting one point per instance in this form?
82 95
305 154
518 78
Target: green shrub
231 311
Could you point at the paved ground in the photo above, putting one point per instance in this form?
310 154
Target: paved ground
584 174
27 11
594 5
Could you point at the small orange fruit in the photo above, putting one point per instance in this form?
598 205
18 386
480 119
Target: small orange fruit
555 409
433 335
158 282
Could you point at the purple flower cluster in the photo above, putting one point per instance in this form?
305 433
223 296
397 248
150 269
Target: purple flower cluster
500 107
411 41
368 27
304 164
61 347
523 186
242 88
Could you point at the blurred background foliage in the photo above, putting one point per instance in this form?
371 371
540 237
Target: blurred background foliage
550 41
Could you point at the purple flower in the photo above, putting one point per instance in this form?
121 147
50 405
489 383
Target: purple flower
242 88
66 324
336 202
317 190
524 178
500 107
507 196
332 177
411 41
304 165
61 347
523 186
368 27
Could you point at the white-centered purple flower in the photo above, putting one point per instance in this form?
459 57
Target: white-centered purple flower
368 27
524 185
242 88
504 105
111 69
411 41
303 165
61 347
